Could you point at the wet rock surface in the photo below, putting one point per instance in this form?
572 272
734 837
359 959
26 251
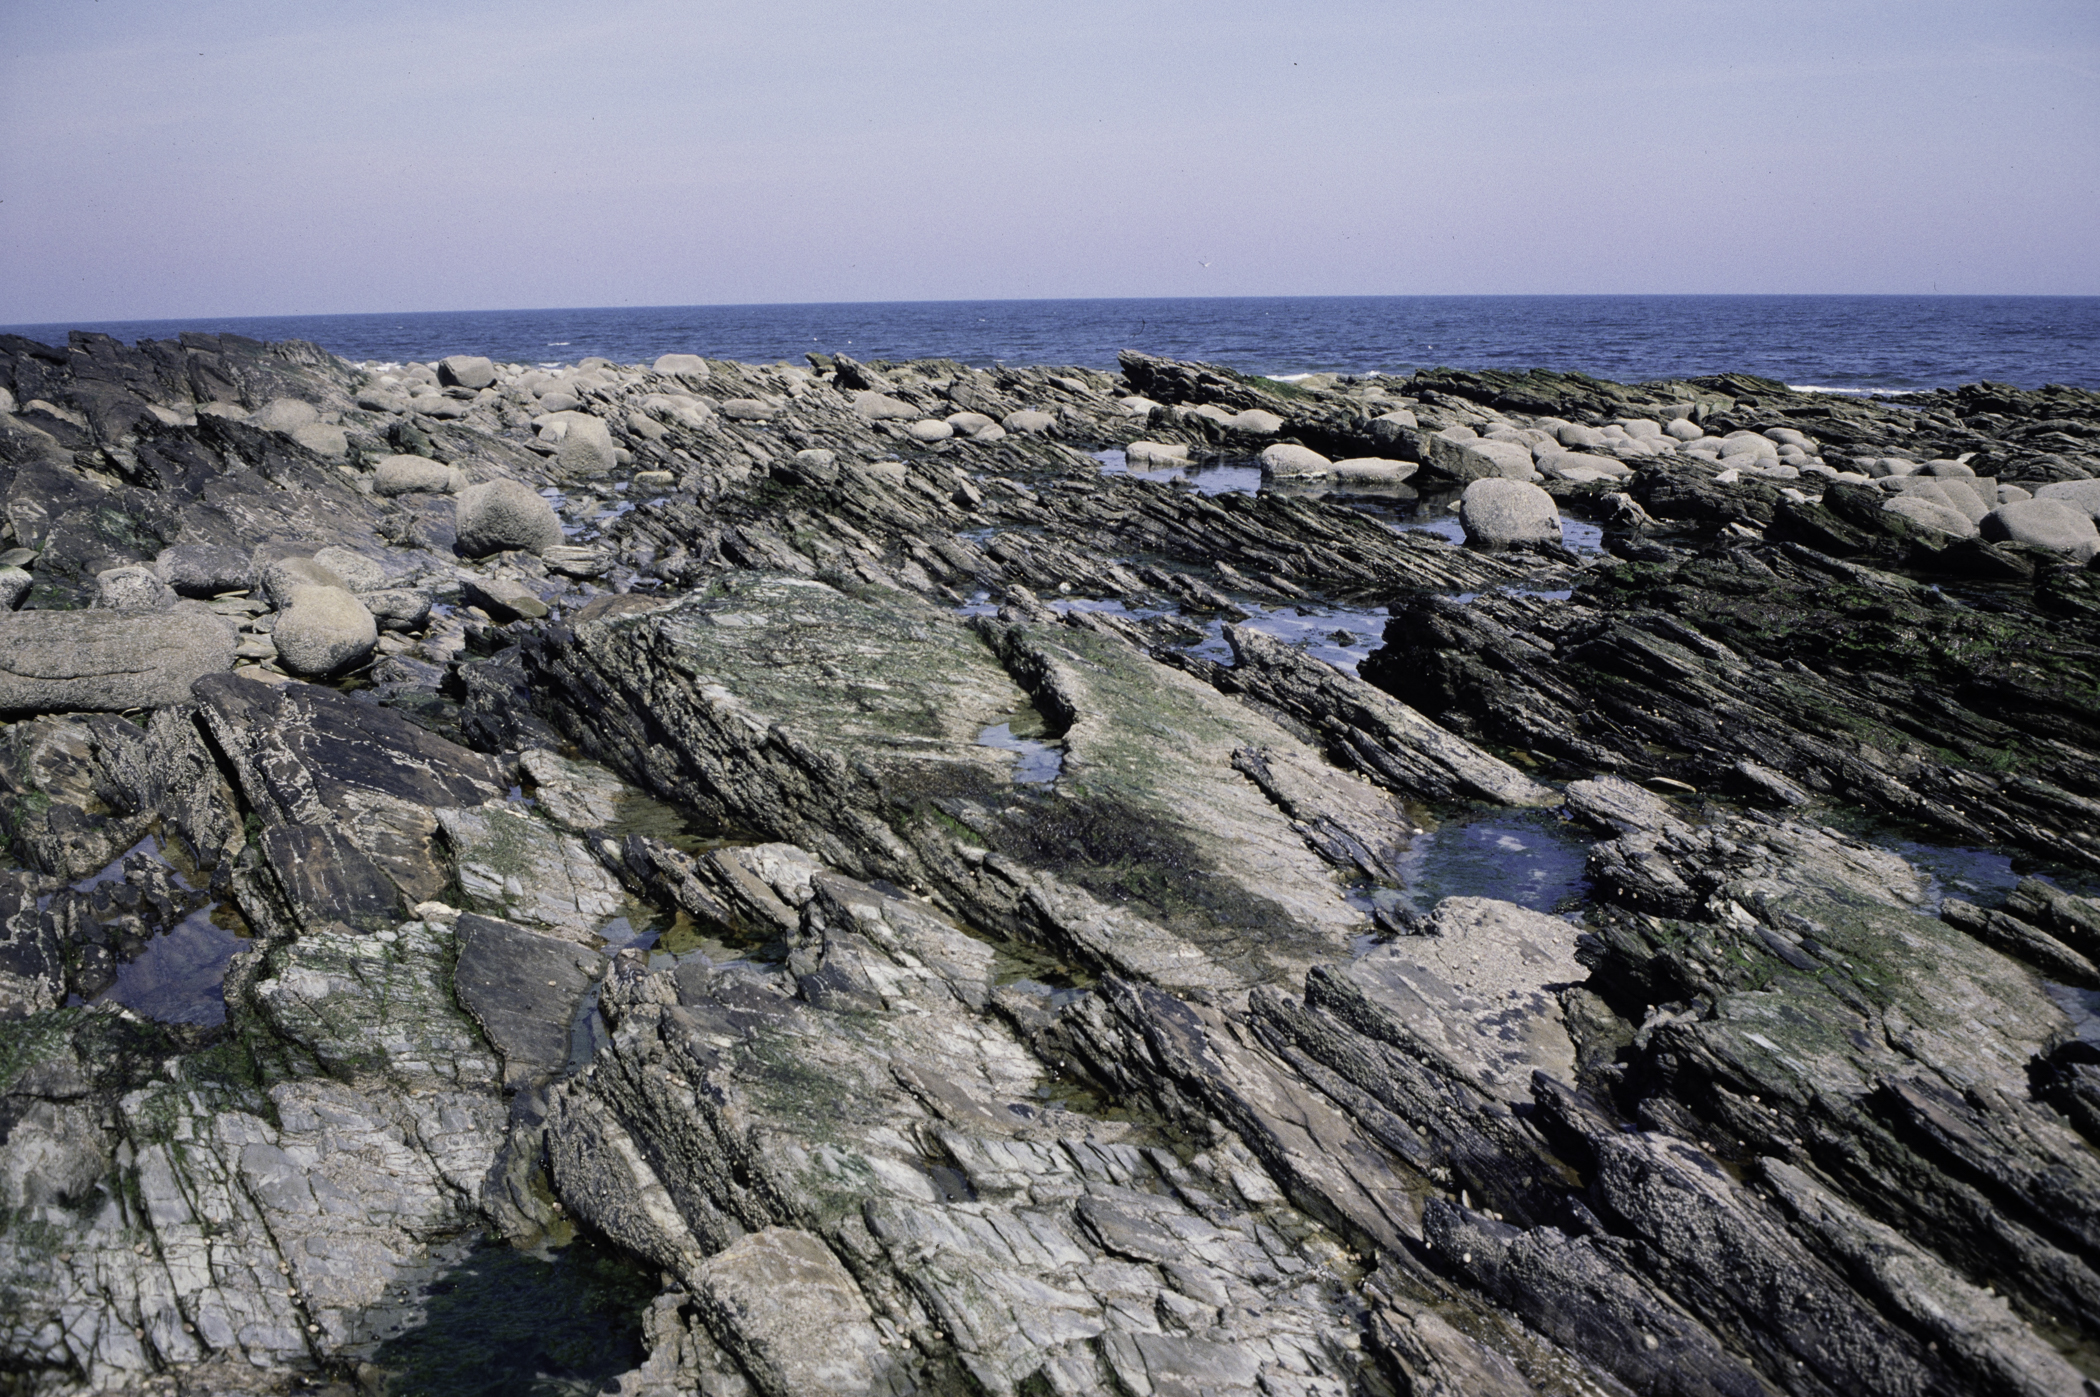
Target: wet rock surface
921 870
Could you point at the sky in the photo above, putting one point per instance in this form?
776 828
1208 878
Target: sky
229 159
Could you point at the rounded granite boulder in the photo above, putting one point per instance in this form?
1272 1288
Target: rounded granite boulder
285 414
1288 460
407 475
1499 513
359 573
690 368
1373 470
1152 455
465 371
2079 494
2058 525
1029 422
881 407
586 447
323 631
500 515
284 575
1931 514
132 587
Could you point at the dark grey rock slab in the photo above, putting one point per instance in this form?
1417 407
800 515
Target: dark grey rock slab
523 988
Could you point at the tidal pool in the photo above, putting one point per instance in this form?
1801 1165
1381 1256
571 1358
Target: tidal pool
506 1323
1532 858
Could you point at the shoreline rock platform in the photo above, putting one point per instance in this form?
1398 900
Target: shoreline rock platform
924 869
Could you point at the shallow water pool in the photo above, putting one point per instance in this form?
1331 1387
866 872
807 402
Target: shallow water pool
1341 637
181 975
506 1323
1532 858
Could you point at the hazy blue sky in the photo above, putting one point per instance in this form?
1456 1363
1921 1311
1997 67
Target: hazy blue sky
206 158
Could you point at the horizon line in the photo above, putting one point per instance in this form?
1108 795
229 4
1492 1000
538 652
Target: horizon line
81 323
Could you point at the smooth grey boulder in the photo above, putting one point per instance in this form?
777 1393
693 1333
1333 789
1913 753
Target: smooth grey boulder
1373 470
881 407
1748 444
1581 465
2082 494
323 439
14 585
500 515
1932 514
1959 494
107 661
1458 454
2055 524
968 424
403 475
1288 460
1507 513
359 573
466 371
324 631
132 587
204 569
750 410
285 414
397 608
1256 422
930 429
689 367
283 576
586 447
439 406
1148 455
1029 422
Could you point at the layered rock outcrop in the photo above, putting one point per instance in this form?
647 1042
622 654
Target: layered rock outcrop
953 913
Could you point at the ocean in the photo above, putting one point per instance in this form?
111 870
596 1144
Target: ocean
1849 344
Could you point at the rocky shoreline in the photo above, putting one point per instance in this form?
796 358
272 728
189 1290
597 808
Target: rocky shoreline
916 865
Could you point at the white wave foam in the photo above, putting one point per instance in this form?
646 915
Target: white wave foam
1851 392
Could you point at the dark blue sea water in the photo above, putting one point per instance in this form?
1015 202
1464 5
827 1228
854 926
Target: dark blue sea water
1848 343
